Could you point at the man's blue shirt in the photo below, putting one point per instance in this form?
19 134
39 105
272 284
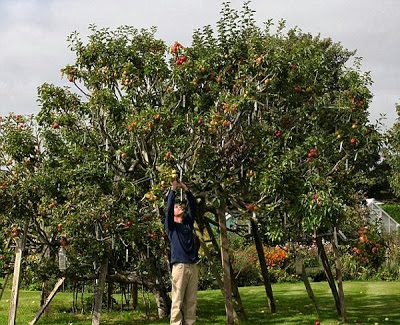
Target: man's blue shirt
183 247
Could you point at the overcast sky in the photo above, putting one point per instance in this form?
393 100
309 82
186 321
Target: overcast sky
33 36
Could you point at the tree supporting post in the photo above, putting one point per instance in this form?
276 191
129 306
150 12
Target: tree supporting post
328 273
263 265
301 270
16 282
339 276
98 298
226 265
210 260
48 301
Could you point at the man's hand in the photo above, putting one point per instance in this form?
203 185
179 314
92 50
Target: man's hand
174 185
183 186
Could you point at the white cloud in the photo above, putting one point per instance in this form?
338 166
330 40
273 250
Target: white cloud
34 33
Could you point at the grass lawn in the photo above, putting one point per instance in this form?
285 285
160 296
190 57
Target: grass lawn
370 302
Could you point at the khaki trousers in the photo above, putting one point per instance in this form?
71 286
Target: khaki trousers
184 294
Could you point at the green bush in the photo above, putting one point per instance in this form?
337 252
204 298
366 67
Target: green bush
393 210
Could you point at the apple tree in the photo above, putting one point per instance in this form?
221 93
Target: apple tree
104 171
282 124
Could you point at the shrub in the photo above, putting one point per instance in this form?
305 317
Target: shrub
393 210
370 247
390 269
245 266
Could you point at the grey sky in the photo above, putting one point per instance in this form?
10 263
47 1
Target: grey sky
33 36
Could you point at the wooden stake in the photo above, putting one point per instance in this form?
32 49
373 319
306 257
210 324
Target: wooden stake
339 275
98 298
48 300
263 266
225 264
19 248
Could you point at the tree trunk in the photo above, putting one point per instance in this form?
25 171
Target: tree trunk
339 277
43 297
157 285
4 285
328 273
134 291
225 263
7 275
263 265
98 297
110 292
82 296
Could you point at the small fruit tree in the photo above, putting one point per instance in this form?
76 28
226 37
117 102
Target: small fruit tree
99 150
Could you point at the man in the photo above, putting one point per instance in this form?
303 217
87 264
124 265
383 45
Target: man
183 257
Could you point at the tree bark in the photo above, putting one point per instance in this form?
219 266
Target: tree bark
134 291
264 269
225 263
328 273
44 295
4 285
110 291
157 286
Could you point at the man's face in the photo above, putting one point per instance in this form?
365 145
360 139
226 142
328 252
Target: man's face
178 211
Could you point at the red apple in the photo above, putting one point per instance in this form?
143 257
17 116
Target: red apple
353 140
55 125
124 155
